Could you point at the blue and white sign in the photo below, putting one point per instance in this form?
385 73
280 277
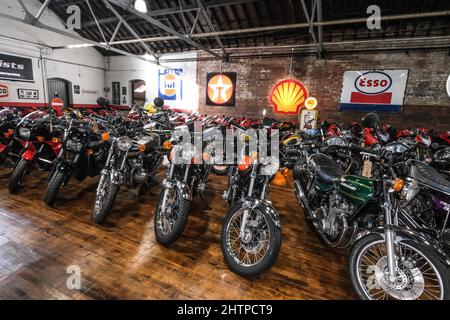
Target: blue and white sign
171 84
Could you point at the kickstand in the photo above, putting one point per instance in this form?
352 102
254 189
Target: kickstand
206 207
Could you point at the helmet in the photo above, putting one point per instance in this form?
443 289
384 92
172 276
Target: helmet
150 108
370 120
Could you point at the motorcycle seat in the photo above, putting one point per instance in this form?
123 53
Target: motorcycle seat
326 169
429 177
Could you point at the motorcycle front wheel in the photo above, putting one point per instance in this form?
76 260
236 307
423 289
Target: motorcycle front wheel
255 252
104 199
171 220
3 156
53 188
18 175
420 275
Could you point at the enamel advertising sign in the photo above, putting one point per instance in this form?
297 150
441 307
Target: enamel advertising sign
3 91
374 90
16 68
171 84
221 89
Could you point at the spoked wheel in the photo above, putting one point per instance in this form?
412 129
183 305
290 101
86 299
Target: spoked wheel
104 199
171 216
257 249
419 274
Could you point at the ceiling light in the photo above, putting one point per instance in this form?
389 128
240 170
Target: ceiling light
140 6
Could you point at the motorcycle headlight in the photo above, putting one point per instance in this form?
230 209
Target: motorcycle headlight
74 146
124 143
24 133
270 166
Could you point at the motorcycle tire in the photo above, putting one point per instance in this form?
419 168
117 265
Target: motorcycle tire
179 225
111 194
270 257
365 243
53 188
220 170
18 175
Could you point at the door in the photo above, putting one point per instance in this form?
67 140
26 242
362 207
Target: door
138 92
60 87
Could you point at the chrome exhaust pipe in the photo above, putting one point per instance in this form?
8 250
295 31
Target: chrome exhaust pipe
301 195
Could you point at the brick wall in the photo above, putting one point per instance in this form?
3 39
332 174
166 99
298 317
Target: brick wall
426 100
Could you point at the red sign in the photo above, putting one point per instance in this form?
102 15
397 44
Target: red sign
3 91
288 96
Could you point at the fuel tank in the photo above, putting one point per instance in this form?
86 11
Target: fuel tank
292 140
356 189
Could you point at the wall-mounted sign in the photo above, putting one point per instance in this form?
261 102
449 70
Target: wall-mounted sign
16 68
116 93
76 89
90 91
311 103
221 89
371 91
3 91
448 85
124 91
28 94
288 96
171 84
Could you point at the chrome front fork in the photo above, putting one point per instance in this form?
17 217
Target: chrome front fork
390 239
247 206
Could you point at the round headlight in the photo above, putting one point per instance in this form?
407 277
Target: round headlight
74 146
24 133
124 143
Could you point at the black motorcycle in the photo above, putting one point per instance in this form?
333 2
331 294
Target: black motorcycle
83 155
9 147
251 232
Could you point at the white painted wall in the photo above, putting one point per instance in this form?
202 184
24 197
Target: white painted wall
84 67
125 69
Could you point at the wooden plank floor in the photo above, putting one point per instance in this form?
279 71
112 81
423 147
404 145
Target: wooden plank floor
121 260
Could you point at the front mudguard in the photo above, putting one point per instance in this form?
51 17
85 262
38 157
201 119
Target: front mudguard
260 205
181 187
402 234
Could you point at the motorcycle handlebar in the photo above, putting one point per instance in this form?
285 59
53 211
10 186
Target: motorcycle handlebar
234 124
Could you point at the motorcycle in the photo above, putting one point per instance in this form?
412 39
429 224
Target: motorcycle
251 232
83 154
186 179
387 260
40 135
9 147
134 156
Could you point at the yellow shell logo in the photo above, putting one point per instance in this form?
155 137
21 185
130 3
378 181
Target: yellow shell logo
288 96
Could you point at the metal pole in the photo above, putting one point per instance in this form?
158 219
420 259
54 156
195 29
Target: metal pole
290 27
164 27
41 10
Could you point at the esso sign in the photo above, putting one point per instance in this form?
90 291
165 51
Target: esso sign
373 82
3 91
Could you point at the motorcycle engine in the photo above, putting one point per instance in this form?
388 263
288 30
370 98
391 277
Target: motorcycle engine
332 216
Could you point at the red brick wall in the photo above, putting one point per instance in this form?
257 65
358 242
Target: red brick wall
426 100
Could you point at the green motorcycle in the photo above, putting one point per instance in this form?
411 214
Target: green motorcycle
387 261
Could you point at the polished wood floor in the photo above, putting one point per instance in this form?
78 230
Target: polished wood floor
121 260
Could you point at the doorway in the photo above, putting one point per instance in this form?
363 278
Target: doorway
138 92
62 88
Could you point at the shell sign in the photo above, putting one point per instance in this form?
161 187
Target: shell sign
288 96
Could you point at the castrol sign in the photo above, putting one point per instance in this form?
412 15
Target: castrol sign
373 90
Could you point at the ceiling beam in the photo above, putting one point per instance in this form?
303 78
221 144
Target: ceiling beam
173 10
211 27
124 5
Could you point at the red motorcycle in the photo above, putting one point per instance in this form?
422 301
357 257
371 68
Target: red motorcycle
40 134
9 148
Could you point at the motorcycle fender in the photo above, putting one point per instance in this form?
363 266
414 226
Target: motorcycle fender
262 206
402 234
64 168
181 187
29 155
2 148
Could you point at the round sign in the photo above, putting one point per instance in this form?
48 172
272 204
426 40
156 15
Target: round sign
220 89
311 103
448 85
